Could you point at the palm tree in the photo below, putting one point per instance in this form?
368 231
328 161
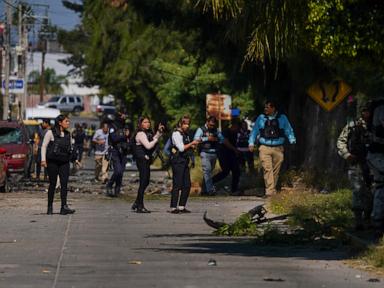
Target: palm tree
52 82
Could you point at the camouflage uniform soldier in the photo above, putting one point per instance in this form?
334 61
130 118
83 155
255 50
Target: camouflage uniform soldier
352 145
375 160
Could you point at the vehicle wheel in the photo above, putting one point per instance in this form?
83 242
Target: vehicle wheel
6 187
76 110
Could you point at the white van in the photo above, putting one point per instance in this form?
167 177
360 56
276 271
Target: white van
41 113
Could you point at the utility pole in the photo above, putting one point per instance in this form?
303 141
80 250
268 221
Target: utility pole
42 79
22 57
1 59
7 48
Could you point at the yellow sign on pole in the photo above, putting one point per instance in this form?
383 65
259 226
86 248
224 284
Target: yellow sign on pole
329 94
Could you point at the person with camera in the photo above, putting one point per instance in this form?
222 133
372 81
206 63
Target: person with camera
120 144
181 152
145 143
56 153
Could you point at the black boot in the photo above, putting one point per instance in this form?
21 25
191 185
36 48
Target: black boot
66 210
142 210
134 206
49 210
110 192
117 191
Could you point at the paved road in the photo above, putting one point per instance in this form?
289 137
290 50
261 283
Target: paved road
106 245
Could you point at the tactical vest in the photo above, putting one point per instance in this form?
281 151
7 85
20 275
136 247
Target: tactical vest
271 129
358 139
60 148
242 139
207 146
140 151
176 152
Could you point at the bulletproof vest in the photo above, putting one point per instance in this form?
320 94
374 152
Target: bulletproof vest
358 139
60 149
175 152
271 129
140 151
242 139
206 146
123 147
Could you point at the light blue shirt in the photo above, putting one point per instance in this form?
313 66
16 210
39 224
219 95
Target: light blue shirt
101 149
203 137
260 124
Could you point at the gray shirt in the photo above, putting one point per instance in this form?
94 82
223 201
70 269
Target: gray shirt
101 149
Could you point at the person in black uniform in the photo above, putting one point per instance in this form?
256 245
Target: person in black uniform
229 157
56 153
145 144
119 141
181 152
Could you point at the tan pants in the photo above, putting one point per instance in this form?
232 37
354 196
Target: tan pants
271 159
101 168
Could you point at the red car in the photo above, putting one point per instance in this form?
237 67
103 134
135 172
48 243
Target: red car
15 139
3 172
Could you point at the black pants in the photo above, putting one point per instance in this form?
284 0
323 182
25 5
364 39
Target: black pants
144 173
79 149
62 169
181 181
247 158
118 161
229 162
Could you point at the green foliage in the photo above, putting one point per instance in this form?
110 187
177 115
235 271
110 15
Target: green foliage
184 85
243 226
317 214
346 28
52 82
375 255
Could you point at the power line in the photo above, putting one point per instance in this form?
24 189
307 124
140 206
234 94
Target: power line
9 4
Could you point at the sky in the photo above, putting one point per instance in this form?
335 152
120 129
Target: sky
58 14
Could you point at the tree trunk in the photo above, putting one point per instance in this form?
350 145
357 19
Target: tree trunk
317 131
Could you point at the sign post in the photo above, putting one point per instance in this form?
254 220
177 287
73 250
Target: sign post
219 105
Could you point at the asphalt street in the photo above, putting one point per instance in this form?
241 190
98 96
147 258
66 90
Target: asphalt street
104 244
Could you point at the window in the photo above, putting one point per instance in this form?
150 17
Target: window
71 100
64 100
10 135
54 99
78 99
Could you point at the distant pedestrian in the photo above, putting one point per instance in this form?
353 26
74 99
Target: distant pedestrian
229 158
270 131
210 138
56 153
181 152
246 157
79 138
145 145
43 129
119 141
100 139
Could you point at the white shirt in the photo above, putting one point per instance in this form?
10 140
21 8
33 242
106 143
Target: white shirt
177 140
